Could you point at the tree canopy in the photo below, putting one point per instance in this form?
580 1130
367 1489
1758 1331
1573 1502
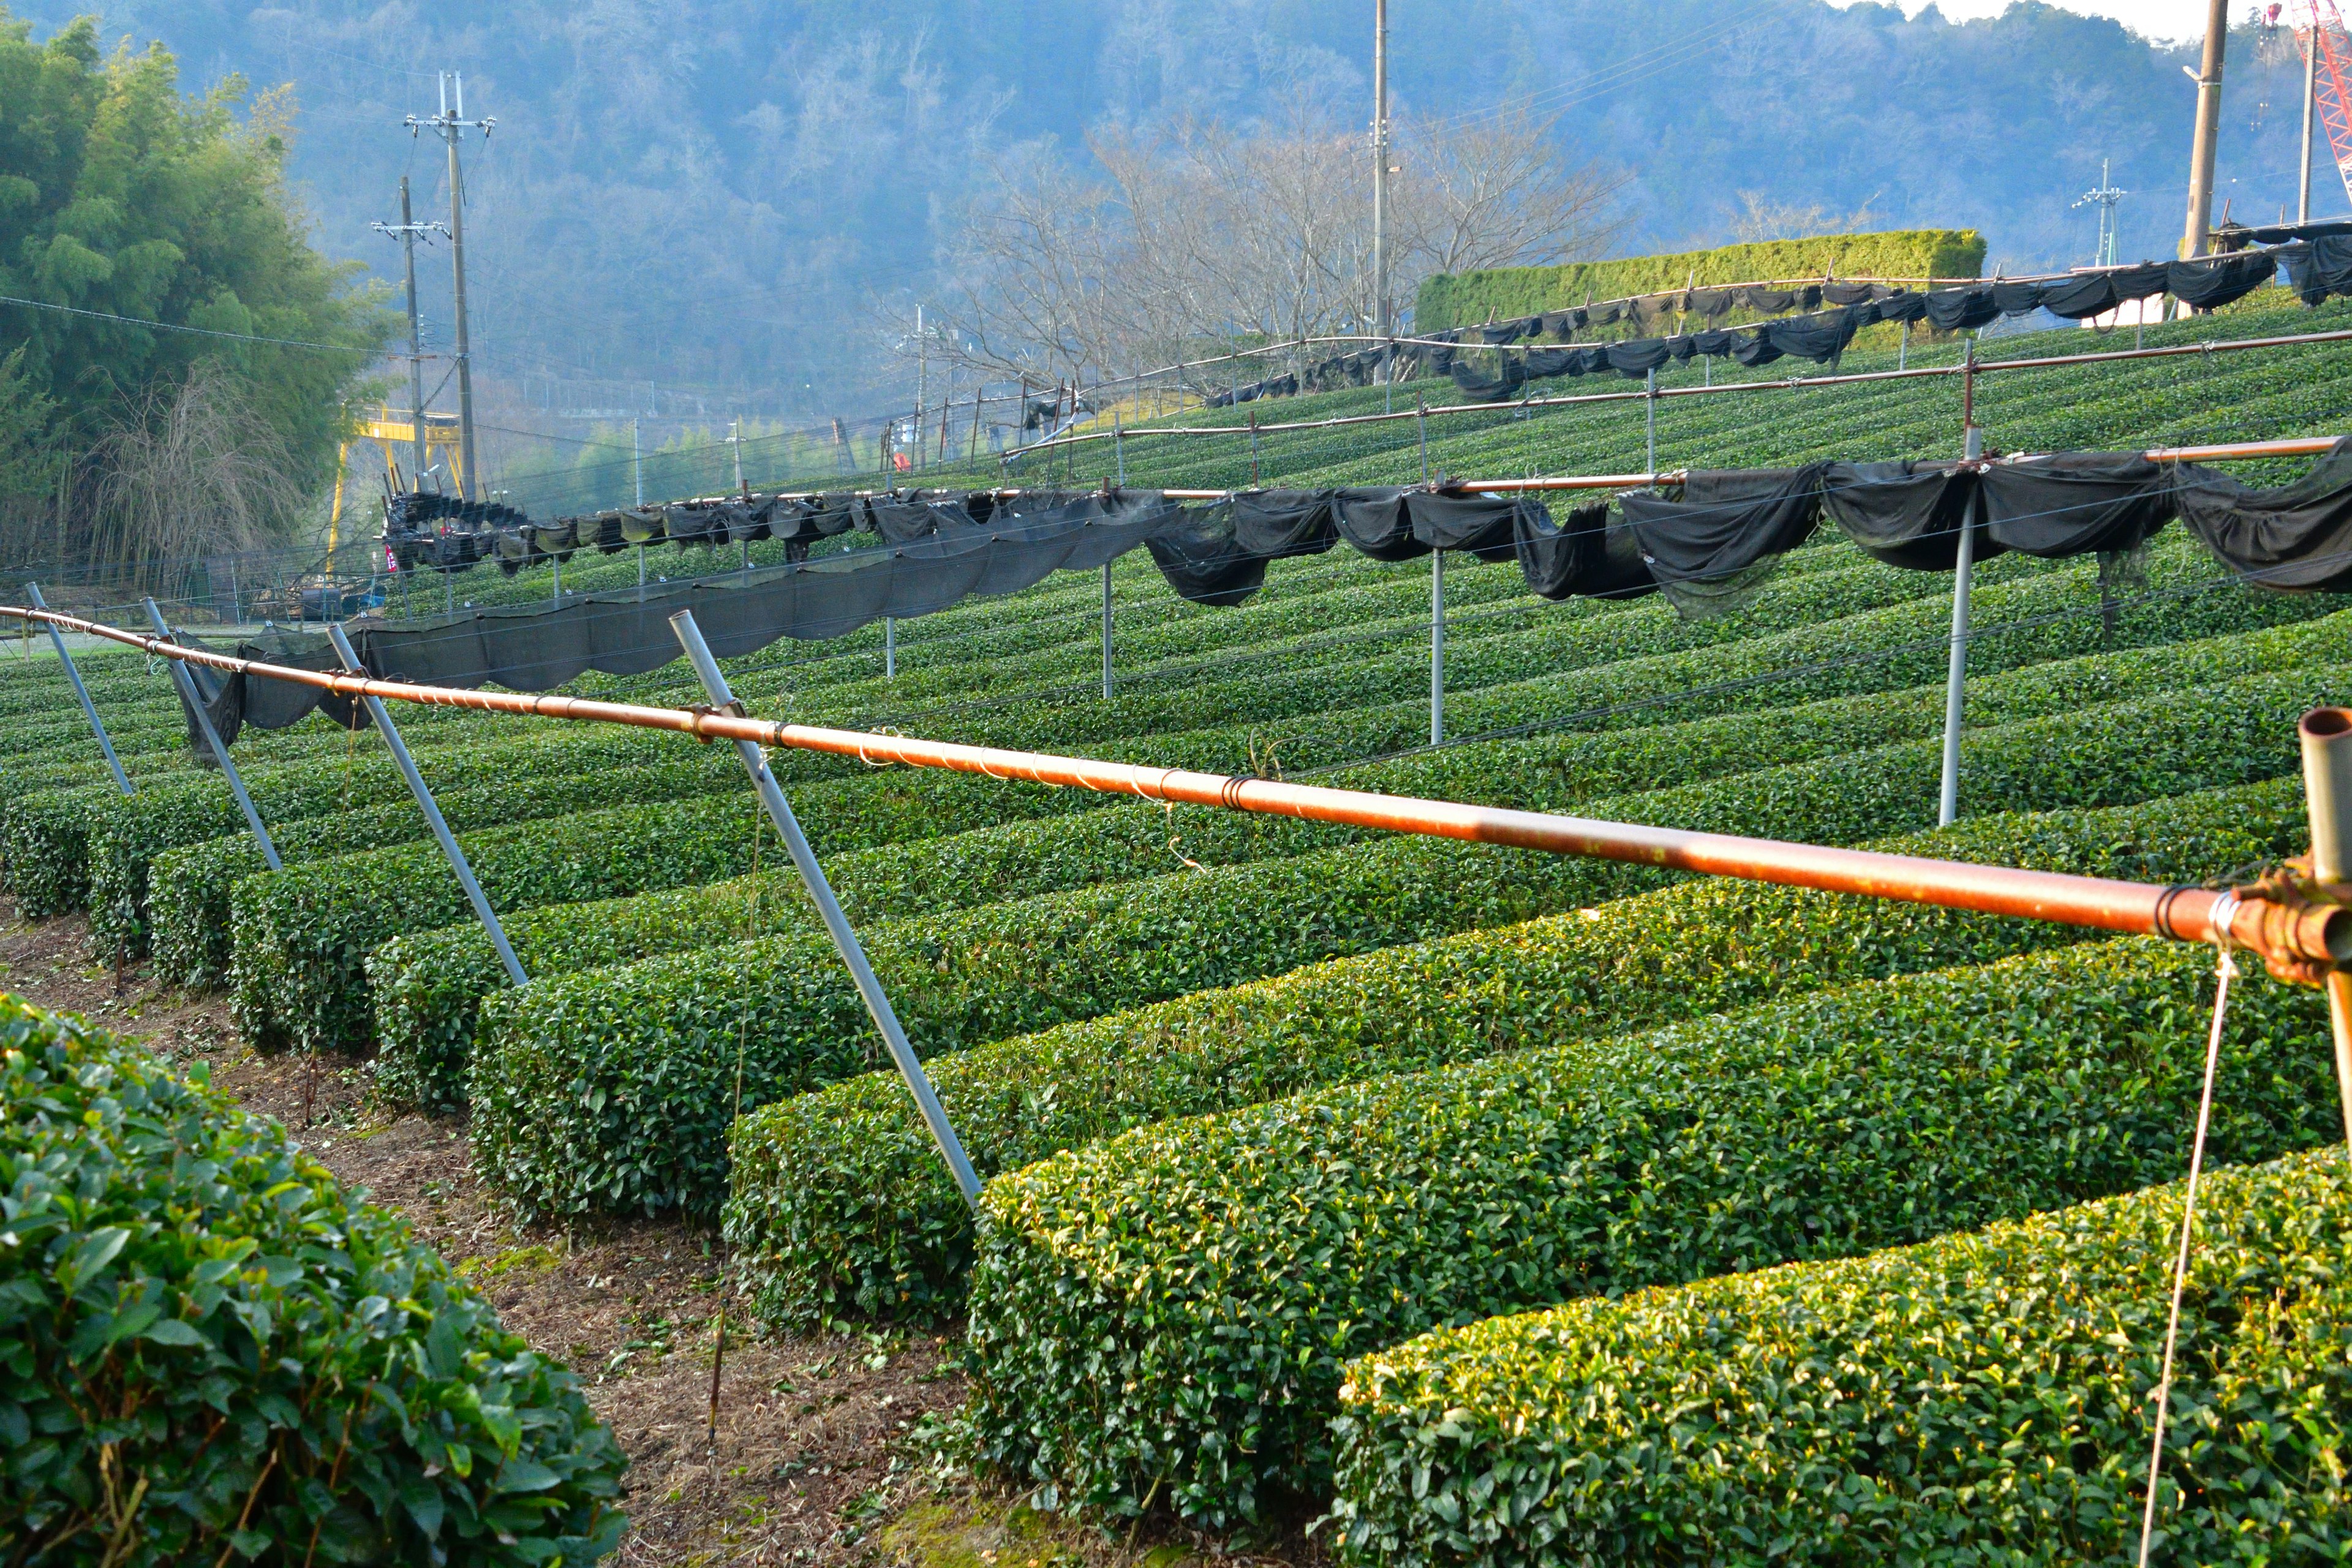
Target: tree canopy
120 196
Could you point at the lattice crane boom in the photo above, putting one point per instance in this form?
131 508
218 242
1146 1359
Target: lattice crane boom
2323 31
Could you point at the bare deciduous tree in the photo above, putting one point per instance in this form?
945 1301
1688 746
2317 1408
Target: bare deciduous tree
195 469
1208 235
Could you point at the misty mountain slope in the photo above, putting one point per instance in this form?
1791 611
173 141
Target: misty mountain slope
727 194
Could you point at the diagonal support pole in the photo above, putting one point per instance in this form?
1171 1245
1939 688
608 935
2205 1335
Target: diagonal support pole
780 811
432 817
186 682
89 708
1948 791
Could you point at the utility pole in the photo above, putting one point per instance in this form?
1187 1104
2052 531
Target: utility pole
1382 325
922 385
407 228
450 128
2310 97
2103 196
2209 130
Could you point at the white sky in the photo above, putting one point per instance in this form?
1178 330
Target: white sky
2166 19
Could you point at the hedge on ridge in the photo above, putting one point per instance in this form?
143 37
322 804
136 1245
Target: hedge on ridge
839 1204
608 1089
1167 1313
211 1351
1981 1398
427 987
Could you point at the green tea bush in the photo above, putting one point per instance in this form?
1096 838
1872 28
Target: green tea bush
300 937
213 1352
429 986
1166 1314
608 1088
1981 1398
839 1204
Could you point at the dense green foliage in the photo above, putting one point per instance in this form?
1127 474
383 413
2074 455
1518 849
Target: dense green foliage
118 195
1166 1314
210 1351
1463 299
839 1204
609 1088
1979 1397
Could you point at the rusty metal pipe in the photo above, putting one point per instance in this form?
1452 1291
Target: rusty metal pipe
2319 935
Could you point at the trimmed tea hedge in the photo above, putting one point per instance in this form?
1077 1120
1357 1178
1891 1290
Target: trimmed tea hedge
1981 1398
300 937
1166 1314
838 1203
428 987
608 1088
211 1351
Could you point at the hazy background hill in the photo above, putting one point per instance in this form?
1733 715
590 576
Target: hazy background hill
727 198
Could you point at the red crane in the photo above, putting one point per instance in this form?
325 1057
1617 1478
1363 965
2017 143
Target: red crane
2324 30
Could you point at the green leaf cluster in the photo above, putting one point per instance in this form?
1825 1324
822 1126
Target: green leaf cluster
1167 1314
1980 1397
207 1351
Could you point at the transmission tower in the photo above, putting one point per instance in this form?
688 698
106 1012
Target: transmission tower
2327 52
2103 196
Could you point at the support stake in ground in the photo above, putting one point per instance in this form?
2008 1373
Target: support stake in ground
186 682
81 692
1948 791
845 940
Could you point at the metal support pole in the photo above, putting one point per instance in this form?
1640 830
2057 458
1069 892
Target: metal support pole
1947 794
1902 348
432 817
1421 428
1119 446
1650 419
889 647
89 708
557 562
2326 735
1437 648
780 811
1253 478
1105 631
186 682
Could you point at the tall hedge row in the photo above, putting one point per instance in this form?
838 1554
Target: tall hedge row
839 1204
212 1353
1462 299
1980 1397
1167 1314
608 1088
427 987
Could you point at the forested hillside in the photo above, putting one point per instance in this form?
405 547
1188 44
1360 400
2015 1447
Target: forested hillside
717 194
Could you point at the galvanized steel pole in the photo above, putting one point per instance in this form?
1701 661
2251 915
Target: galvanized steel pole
432 817
1437 648
845 940
2327 737
81 692
1947 794
1105 631
889 647
1650 418
189 694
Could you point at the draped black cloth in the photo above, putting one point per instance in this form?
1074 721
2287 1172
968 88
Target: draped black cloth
1636 357
1375 520
2321 267
2296 538
2214 281
1274 524
1724 521
1583 557
1486 526
1958 309
2076 502
1203 560
1903 513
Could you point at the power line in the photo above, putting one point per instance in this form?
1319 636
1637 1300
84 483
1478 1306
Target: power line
197 331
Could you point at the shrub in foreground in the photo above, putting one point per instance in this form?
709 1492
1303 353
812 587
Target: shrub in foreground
1977 1398
838 1203
1165 1315
212 1353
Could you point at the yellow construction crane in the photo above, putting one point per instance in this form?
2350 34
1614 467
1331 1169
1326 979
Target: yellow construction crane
393 431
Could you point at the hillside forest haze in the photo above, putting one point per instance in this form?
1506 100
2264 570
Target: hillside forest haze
692 210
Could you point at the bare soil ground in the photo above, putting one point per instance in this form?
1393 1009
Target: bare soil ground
818 1456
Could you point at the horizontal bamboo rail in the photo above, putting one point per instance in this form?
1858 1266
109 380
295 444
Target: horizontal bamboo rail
2287 937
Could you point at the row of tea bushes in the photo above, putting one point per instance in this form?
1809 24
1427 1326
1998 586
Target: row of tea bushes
608 1088
839 1204
216 1353
429 986
1983 1396
1165 1315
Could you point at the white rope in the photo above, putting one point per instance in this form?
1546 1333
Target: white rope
2225 969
